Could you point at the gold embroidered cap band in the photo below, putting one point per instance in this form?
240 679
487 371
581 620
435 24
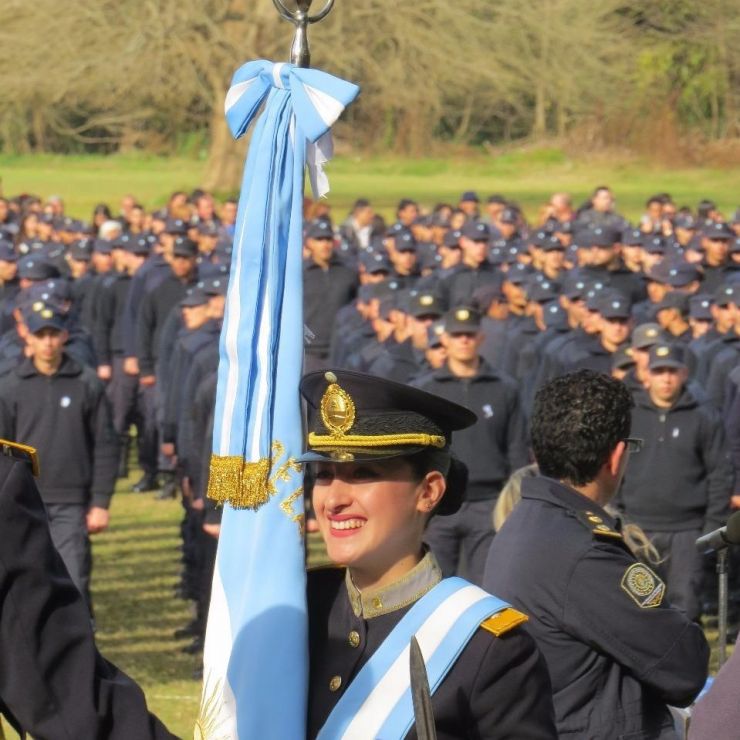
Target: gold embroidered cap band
354 417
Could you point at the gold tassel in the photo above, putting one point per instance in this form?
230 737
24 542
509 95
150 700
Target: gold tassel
256 489
225 477
248 485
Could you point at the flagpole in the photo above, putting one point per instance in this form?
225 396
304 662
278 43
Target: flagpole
300 53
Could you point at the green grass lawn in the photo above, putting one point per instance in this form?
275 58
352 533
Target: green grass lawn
136 569
528 177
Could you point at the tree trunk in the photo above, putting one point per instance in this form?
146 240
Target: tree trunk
225 157
540 110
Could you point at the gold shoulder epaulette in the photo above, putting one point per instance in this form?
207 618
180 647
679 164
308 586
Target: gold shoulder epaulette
596 524
24 453
503 622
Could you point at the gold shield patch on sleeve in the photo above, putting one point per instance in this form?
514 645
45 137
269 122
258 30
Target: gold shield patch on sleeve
643 586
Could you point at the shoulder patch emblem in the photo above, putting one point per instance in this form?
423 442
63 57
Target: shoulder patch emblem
643 586
503 622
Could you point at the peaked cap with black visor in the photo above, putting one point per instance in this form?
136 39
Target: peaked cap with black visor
354 417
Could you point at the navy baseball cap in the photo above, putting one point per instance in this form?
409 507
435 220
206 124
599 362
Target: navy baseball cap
469 196
102 246
462 320
574 287
700 307
653 244
718 231
613 305
374 262
666 354
509 216
81 250
176 226
138 245
645 336
405 242
477 231
674 299
194 297
518 274
726 294
632 238
320 229
598 236
45 316
542 291
184 247
426 304
214 285
681 274
451 239
34 268
622 359
551 244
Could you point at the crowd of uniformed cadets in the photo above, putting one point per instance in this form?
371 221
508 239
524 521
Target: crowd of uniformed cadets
114 323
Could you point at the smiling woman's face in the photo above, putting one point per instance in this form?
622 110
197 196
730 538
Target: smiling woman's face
371 515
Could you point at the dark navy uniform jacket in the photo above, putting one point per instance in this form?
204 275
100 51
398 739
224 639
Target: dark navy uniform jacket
53 682
496 445
616 651
497 688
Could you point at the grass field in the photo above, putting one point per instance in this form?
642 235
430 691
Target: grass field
528 177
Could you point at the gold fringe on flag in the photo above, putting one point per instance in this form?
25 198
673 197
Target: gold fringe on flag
245 485
248 485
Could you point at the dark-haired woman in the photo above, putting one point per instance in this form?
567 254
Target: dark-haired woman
381 465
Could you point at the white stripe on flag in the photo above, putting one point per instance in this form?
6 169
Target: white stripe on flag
383 698
262 383
276 70
217 694
327 107
236 92
230 345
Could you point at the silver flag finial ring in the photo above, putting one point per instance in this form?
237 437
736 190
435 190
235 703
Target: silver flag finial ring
300 54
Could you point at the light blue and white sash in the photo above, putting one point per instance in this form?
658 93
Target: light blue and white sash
378 703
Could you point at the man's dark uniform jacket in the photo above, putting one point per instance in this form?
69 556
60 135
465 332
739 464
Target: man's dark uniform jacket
497 688
616 651
54 684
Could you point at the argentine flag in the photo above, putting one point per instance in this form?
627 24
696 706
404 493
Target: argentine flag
255 669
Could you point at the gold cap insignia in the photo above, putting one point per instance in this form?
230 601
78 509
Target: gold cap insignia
651 333
426 300
662 351
37 306
337 408
462 314
47 314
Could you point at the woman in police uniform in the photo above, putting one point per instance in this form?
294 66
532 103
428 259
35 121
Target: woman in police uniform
381 466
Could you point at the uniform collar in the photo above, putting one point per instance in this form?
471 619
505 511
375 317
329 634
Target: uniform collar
557 493
485 372
408 589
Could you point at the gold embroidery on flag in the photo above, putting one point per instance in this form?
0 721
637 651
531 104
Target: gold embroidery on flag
207 724
249 485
